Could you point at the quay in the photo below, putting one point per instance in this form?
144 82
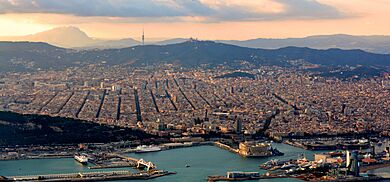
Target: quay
140 163
146 170
113 166
91 176
328 144
377 177
374 166
224 178
226 147
126 157
295 144
36 157
174 145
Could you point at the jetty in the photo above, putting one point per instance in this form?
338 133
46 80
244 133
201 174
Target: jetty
91 176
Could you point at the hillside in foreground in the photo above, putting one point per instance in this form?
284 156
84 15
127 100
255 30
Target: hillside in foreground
18 129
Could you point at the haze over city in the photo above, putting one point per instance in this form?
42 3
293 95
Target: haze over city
203 19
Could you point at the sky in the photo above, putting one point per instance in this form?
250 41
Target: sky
203 19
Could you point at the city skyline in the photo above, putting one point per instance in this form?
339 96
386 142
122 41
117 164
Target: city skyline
203 19
194 90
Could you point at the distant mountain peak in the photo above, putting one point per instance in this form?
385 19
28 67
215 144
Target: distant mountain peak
69 36
64 30
73 37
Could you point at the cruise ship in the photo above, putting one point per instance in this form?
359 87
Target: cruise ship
145 148
81 158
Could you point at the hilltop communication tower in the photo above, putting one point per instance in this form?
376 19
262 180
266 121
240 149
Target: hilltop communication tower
143 37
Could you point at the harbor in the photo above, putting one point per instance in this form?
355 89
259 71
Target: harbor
329 166
196 163
205 160
142 170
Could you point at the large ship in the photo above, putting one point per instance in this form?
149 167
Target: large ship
81 158
145 148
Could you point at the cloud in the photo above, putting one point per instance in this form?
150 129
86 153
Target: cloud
310 9
178 10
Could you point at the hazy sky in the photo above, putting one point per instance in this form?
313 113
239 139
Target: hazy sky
203 19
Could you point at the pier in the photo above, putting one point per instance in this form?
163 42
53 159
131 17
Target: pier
375 166
224 178
91 176
147 170
141 164
226 147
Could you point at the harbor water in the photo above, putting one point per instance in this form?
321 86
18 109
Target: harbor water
192 164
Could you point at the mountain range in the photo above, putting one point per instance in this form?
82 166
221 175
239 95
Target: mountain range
73 37
29 56
375 43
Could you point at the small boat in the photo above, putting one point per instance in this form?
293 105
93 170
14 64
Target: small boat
188 165
81 159
306 165
288 166
275 168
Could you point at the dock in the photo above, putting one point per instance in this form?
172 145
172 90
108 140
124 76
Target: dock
224 178
113 166
226 147
91 176
374 166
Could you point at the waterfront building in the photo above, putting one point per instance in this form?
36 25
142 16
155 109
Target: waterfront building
254 149
240 174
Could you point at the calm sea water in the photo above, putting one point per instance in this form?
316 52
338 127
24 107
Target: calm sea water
204 161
